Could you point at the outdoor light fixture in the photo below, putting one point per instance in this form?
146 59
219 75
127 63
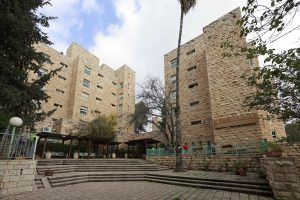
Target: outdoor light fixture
15 121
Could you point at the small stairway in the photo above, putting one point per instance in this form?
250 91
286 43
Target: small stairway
96 165
39 183
249 187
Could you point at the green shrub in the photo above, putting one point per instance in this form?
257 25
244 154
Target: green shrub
272 146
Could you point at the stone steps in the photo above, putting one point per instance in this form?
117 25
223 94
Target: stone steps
39 183
250 187
90 162
68 169
96 165
215 187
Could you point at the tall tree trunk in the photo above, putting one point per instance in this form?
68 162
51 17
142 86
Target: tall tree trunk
179 159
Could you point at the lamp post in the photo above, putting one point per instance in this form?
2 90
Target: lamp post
15 122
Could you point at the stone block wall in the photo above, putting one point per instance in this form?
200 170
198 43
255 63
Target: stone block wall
16 176
283 175
215 163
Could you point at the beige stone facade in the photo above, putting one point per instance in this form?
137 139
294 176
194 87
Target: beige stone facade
212 90
83 88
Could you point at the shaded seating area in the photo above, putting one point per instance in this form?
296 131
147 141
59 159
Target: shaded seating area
86 146
137 148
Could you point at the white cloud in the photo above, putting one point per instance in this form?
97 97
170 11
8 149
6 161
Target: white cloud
67 14
149 29
91 6
70 17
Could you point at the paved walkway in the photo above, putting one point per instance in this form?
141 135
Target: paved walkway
130 191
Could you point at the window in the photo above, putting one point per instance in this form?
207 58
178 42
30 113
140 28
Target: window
194 103
42 72
61 77
250 61
83 110
63 64
196 122
100 75
274 135
190 52
60 91
114 83
58 105
85 96
114 94
192 68
87 71
173 79
113 105
122 85
193 85
100 87
173 95
98 99
173 63
86 83
97 112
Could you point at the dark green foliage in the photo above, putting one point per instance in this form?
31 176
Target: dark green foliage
186 5
278 80
293 133
4 118
103 126
20 30
140 117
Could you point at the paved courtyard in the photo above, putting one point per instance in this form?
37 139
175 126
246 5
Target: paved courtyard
130 191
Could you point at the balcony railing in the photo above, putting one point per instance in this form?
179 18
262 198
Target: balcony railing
229 150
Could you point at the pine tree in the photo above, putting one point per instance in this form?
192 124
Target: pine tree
20 29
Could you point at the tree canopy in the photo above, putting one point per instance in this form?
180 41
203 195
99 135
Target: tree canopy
140 117
103 126
21 25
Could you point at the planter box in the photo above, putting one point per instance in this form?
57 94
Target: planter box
274 154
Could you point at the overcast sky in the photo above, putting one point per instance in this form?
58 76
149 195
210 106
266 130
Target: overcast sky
133 32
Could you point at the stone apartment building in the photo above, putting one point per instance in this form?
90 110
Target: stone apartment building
83 88
212 90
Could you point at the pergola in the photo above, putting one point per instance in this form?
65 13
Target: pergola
90 139
140 145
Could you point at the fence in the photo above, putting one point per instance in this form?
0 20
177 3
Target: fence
14 144
230 150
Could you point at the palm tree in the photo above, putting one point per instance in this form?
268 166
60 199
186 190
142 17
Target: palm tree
185 5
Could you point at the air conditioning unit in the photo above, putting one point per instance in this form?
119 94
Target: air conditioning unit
47 129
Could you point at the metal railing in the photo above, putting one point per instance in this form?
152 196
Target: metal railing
229 150
17 145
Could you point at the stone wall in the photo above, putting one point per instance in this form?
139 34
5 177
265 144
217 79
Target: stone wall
283 175
16 176
215 163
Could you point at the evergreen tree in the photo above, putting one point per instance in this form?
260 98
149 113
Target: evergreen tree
21 25
140 117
